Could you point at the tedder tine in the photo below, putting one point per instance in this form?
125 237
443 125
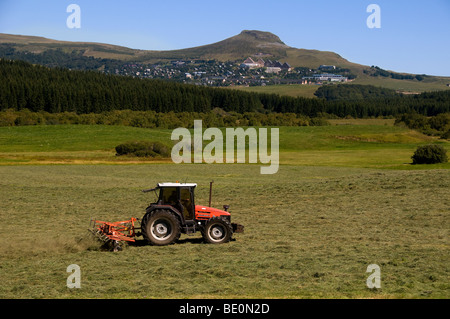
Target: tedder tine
114 233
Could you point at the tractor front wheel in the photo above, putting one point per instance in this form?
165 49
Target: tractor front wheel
161 228
217 231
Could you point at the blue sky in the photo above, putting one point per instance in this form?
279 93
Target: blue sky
414 36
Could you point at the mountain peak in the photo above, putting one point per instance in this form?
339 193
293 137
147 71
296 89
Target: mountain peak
261 36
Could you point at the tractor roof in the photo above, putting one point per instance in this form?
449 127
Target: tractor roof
176 185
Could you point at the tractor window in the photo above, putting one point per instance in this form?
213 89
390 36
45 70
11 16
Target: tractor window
169 195
186 201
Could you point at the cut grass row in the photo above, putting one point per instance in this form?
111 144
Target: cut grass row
310 232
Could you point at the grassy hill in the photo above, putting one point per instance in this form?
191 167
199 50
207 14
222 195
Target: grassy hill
98 50
248 43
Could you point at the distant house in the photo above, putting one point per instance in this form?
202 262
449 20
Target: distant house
260 63
270 66
277 64
199 73
250 64
218 79
275 67
286 66
305 81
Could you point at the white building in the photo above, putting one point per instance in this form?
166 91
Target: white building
327 77
251 64
271 69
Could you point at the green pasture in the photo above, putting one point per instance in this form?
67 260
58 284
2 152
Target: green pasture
406 86
345 197
367 145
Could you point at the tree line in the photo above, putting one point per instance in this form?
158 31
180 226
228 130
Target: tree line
354 92
152 119
438 125
377 71
56 90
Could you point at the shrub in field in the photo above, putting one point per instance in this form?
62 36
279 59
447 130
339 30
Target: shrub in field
430 154
143 149
318 121
446 135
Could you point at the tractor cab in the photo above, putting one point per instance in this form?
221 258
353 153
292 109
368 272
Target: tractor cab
180 196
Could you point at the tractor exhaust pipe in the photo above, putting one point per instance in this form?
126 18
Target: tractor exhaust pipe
210 192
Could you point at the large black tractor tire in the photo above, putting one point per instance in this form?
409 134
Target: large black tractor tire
160 228
217 231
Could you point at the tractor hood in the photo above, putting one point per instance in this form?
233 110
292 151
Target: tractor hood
212 212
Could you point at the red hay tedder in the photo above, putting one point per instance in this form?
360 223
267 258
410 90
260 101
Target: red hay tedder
174 213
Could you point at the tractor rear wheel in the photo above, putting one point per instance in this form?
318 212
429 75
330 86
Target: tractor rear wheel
217 231
161 228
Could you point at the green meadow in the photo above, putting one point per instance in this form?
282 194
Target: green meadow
345 196
355 143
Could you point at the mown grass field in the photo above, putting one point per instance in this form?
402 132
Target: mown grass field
356 143
345 197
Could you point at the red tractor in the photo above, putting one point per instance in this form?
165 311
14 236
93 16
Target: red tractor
174 213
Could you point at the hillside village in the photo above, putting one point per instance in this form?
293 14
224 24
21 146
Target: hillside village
247 64
250 72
